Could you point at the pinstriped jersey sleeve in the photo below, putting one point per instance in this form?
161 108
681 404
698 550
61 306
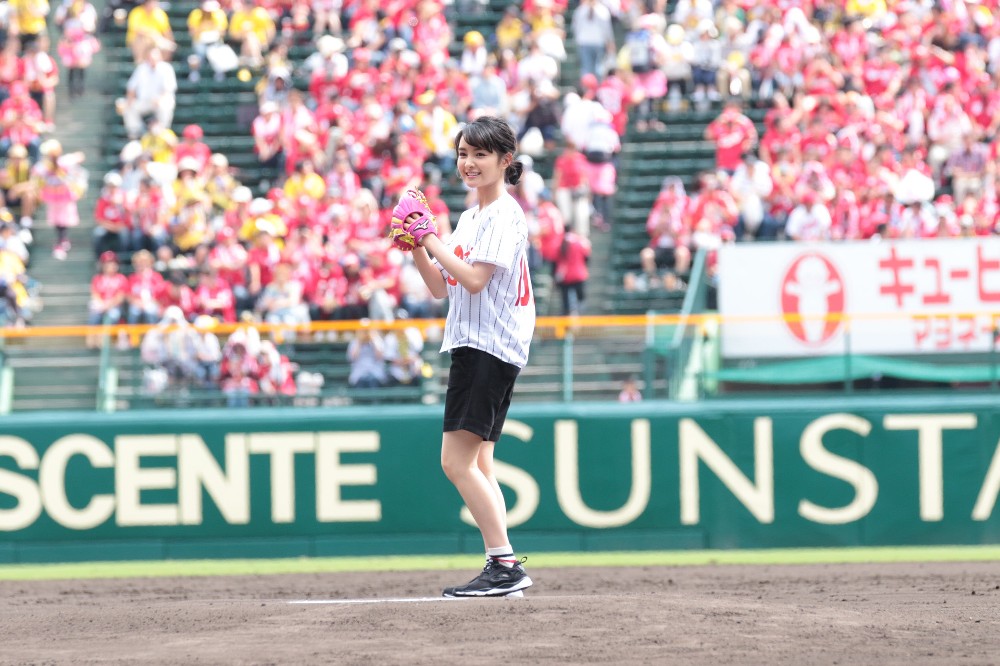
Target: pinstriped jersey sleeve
502 233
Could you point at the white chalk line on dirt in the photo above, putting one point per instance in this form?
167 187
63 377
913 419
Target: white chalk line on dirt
373 601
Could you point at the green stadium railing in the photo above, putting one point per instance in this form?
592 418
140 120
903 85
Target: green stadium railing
686 336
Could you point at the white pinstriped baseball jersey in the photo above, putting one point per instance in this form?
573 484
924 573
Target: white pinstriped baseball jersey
499 320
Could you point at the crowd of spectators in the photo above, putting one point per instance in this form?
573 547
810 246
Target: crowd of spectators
35 173
881 122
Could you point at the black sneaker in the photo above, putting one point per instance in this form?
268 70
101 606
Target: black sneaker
496 580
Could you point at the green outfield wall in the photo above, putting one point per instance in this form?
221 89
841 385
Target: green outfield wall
366 481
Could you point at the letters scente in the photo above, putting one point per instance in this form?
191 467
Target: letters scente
37 483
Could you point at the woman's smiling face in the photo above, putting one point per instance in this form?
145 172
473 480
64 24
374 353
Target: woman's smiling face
478 167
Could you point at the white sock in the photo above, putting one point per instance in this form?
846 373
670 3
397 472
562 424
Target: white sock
504 555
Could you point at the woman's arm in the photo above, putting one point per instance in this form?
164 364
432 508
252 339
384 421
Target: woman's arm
430 273
473 277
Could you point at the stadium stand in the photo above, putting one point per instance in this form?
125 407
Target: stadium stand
895 139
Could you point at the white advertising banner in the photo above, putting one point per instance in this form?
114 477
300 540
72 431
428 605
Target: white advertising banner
898 297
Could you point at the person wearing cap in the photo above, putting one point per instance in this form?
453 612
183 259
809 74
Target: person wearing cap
705 63
191 145
261 217
190 185
263 255
151 89
189 228
239 210
474 53
328 59
206 24
108 289
113 229
17 186
810 220
61 181
252 27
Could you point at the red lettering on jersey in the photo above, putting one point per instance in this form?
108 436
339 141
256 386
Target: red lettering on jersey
461 255
524 285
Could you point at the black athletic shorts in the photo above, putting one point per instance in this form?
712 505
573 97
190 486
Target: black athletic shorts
479 390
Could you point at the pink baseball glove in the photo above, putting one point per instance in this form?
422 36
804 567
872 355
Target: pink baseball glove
408 236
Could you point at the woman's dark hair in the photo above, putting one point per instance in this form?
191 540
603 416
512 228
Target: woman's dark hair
494 135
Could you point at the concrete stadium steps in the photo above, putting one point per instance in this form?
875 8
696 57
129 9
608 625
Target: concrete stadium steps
53 378
58 373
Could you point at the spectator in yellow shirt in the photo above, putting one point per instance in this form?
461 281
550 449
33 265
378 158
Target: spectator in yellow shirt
189 186
253 28
510 30
148 27
261 217
27 19
158 141
436 128
869 9
304 181
207 25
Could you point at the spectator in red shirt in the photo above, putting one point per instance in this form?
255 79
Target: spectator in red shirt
214 296
178 293
113 218
733 134
571 188
267 130
21 121
326 292
668 252
238 375
145 289
262 257
551 229
107 296
400 172
41 73
192 146
354 304
572 272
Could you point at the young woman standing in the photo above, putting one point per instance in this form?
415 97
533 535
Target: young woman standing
483 271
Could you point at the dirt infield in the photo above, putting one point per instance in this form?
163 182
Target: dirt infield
805 614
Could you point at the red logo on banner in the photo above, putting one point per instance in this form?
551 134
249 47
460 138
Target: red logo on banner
812 290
